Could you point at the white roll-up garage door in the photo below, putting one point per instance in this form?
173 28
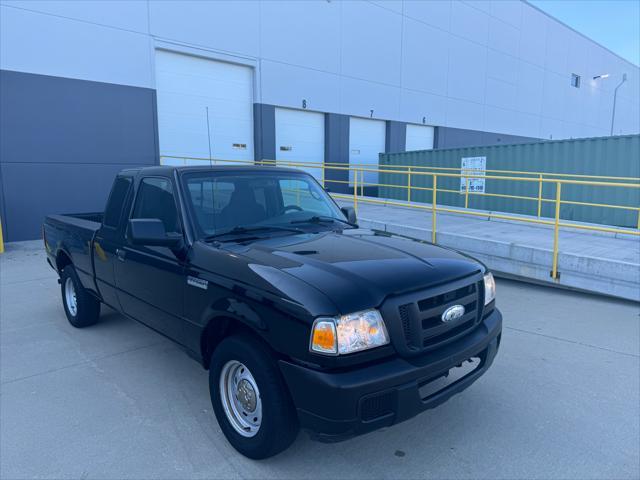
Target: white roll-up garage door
419 137
205 108
366 141
300 139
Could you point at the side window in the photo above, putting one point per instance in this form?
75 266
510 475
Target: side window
155 200
117 198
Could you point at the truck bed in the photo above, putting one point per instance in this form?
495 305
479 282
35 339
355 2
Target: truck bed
73 234
89 221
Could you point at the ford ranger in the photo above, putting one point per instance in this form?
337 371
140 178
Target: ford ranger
302 318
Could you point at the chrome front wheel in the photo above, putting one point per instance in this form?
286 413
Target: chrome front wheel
240 398
70 296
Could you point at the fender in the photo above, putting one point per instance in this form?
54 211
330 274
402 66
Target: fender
223 317
236 309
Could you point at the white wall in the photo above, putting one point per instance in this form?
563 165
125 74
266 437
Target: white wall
500 65
64 46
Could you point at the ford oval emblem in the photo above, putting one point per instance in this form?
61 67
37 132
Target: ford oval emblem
452 313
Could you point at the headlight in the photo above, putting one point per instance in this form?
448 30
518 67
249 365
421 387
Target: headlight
489 289
348 333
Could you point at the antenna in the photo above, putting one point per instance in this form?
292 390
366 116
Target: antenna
209 138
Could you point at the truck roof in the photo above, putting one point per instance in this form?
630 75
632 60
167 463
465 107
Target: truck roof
168 169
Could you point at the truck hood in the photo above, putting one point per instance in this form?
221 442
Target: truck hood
357 269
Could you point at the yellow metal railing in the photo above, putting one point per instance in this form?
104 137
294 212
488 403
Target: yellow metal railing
412 172
565 176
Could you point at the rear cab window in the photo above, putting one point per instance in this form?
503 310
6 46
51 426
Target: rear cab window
117 200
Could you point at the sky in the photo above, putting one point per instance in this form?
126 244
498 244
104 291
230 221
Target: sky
614 24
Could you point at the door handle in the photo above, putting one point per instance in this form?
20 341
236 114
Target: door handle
121 254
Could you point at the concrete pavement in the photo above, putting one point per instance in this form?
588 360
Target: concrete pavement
119 401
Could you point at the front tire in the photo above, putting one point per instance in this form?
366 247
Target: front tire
250 399
81 308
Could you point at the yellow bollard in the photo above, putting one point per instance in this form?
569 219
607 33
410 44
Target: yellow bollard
1 238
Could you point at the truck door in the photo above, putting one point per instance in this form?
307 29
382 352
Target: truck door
150 280
107 239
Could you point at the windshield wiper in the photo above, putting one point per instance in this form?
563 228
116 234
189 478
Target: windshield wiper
322 219
245 230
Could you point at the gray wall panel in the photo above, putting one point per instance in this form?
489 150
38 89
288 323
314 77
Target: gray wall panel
3 213
336 150
62 120
396 137
33 191
61 142
264 131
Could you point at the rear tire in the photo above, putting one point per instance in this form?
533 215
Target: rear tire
250 398
82 309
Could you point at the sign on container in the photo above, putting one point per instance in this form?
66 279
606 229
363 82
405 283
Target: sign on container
472 166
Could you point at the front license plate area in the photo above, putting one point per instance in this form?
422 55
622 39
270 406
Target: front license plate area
433 386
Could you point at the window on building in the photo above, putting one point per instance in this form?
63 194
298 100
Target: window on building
575 80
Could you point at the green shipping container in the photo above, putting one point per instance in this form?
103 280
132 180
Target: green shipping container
605 156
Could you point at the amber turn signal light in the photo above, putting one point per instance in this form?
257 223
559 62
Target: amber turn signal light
323 337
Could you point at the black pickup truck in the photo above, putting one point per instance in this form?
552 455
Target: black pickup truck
302 318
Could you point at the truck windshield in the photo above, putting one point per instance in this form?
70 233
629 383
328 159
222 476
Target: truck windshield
222 201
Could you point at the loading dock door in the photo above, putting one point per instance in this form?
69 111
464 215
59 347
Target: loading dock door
366 141
203 106
300 139
419 137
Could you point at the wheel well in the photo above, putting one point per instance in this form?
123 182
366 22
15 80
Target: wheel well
62 260
218 329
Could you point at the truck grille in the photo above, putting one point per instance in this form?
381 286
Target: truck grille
419 326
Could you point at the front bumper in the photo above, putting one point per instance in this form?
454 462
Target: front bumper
336 406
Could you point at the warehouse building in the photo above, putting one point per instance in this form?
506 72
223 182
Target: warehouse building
88 88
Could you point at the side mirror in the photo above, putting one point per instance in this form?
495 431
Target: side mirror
151 232
350 213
